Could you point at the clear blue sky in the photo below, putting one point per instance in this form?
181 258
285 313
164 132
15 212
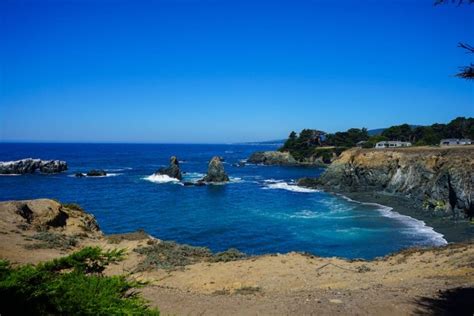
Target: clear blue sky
227 71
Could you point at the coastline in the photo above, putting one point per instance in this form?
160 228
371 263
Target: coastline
453 231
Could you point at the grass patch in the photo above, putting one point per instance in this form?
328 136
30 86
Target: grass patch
169 255
231 254
72 285
248 290
73 206
50 240
117 238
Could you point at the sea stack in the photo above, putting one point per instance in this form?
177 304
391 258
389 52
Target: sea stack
172 170
215 171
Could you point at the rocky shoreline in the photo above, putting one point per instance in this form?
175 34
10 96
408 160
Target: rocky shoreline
437 180
452 231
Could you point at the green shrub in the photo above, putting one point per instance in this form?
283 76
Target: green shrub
169 255
71 285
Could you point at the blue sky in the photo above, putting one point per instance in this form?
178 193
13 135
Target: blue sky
226 71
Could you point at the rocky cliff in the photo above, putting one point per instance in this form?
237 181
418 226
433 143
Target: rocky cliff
320 156
438 179
48 215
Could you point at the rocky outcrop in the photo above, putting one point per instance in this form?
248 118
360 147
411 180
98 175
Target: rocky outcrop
29 165
48 215
321 156
272 158
96 173
215 172
172 170
438 179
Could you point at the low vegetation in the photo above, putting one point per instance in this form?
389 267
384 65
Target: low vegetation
72 285
51 240
170 256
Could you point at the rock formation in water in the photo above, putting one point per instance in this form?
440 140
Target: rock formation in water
96 173
320 157
29 165
272 158
215 172
440 180
172 170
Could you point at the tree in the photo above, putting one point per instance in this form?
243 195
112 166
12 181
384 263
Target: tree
467 72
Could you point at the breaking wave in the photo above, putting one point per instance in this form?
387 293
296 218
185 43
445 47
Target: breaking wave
161 178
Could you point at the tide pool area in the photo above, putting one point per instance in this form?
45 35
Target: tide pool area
260 210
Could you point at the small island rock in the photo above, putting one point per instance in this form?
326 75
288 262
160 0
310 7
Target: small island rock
172 170
29 165
216 172
96 173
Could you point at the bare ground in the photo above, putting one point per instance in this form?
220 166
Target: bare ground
409 282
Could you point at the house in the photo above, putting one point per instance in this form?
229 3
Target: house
392 144
361 143
455 141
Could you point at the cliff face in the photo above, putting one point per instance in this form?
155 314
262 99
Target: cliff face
438 179
320 158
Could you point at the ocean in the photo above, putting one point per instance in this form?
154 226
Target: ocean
259 211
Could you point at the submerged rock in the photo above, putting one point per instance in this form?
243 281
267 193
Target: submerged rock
29 165
80 175
172 170
215 171
96 173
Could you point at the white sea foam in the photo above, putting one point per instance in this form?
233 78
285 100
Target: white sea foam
235 180
281 185
160 178
415 226
118 169
305 214
10 175
107 175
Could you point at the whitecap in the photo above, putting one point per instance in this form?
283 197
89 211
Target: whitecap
160 178
86 176
10 175
235 180
118 169
281 185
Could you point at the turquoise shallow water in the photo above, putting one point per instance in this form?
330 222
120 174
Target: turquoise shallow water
259 211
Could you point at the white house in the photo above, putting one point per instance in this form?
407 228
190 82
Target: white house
455 141
392 144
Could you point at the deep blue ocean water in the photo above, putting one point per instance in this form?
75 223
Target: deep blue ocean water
259 211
